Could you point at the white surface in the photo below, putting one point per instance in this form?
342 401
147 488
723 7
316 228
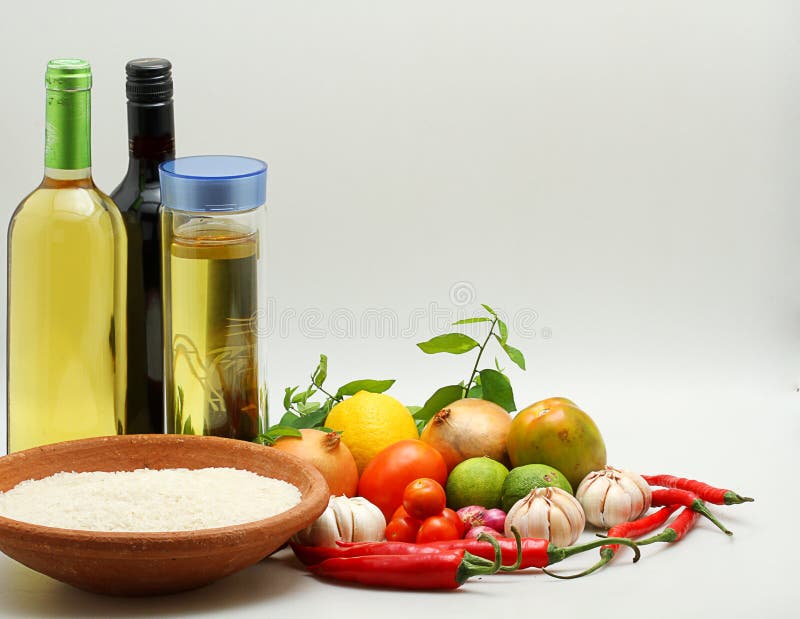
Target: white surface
624 173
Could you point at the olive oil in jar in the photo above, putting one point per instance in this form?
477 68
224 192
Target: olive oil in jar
213 311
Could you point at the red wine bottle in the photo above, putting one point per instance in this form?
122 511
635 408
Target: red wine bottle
151 141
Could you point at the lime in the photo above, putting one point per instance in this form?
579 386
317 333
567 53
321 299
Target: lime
522 479
476 481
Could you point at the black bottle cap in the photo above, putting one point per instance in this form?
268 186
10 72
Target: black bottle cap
149 80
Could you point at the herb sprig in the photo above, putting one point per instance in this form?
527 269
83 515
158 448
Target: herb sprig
489 383
300 412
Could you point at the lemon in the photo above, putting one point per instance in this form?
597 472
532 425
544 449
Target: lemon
522 479
370 422
476 481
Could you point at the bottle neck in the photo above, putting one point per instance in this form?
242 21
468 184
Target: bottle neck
68 133
151 138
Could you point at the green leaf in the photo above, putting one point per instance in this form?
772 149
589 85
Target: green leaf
497 389
303 396
321 373
489 309
367 384
413 409
469 321
287 397
440 398
503 331
476 391
312 420
187 426
274 433
513 353
453 343
306 408
290 419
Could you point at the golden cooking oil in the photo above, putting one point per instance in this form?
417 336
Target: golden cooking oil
211 315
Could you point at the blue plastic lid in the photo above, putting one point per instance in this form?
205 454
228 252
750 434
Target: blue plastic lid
213 183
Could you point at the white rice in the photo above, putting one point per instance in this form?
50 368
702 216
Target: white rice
147 500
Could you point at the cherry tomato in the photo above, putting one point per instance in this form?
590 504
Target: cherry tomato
402 529
456 520
387 474
424 498
435 529
399 512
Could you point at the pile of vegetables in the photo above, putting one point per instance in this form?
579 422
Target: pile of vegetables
399 518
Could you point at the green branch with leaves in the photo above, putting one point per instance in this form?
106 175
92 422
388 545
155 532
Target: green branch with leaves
301 412
489 383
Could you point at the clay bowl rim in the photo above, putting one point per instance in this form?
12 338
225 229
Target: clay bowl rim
311 505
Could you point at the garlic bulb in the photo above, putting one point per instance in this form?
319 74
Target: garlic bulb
548 513
348 519
613 496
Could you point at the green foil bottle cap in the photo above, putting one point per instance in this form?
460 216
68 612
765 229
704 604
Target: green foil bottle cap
68 74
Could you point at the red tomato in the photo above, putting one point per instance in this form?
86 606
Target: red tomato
399 512
423 498
436 529
456 520
388 473
402 529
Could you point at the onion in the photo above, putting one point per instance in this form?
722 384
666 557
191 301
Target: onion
496 519
469 428
476 531
475 516
472 515
329 455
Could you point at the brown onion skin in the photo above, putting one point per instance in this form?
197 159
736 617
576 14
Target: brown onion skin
329 455
469 428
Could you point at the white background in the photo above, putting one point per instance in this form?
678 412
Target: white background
624 173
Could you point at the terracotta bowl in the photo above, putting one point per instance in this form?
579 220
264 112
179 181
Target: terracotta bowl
153 563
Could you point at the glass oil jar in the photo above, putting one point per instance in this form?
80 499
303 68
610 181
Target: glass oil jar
213 219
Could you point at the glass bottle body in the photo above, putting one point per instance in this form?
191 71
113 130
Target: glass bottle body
139 199
213 323
66 313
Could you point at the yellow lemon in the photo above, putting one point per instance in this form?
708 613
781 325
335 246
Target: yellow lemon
370 422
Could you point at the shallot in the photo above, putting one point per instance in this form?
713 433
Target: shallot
477 516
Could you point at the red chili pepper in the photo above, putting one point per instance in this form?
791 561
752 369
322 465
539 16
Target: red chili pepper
718 496
634 528
677 530
532 552
437 570
676 496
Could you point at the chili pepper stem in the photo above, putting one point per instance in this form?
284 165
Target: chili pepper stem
732 498
606 554
473 565
667 535
559 553
515 566
700 508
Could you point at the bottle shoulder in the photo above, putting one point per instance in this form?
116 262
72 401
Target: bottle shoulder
86 201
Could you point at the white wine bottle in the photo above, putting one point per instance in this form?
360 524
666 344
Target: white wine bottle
66 285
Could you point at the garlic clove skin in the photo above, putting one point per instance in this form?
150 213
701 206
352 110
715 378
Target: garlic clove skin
613 496
369 523
592 499
322 532
343 513
346 519
548 513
